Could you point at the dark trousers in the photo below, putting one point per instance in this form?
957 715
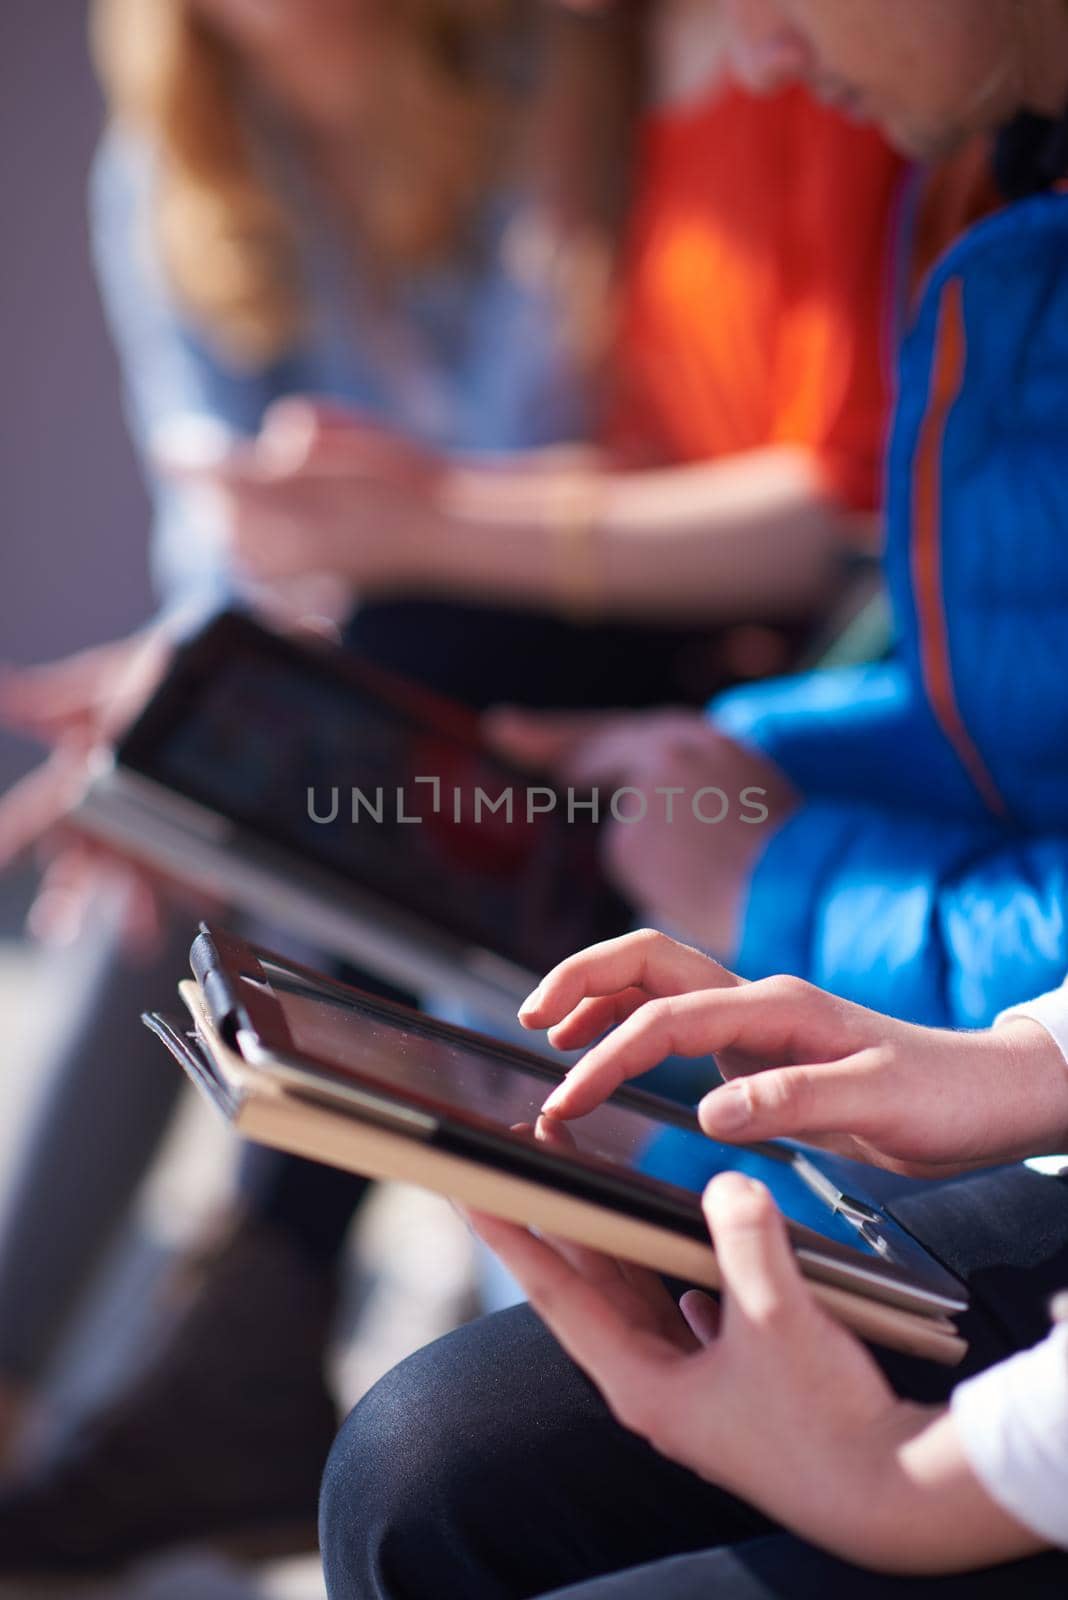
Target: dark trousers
782 1568
487 1466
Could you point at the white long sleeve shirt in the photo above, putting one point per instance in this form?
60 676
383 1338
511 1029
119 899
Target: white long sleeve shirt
1013 1420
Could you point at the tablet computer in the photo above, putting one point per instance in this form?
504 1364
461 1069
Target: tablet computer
360 812
307 1064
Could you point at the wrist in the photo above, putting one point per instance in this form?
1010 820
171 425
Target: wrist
936 1515
416 553
879 1500
1036 1081
534 535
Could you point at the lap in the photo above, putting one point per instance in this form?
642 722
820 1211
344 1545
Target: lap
782 1568
488 1463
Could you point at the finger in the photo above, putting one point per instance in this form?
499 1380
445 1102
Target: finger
702 1315
196 447
619 1358
557 1135
594 1266
47 701
33 806
765 1021
144 924
647 960
547 1259
322 630
846 1096
316 438
660 1310
676 1025
266 530
762 1282
606 756
60 907
592 1018
538 741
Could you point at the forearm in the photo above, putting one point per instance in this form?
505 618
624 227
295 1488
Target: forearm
751 536
895 1494
755 535
974 920
933 1514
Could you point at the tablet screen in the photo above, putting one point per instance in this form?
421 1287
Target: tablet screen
480 1085
285 742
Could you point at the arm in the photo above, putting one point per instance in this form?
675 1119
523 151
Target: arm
1011 1425
767 1397
166 374
969 1485
944 922
755 535
803 1063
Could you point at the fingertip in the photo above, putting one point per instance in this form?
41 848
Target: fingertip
293 410
701 1314
502 718
555 1104
732 1195
565 1035
531 1006
727 1112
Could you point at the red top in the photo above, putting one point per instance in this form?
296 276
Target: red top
756 293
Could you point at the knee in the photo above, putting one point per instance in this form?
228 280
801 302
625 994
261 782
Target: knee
346 1499
372 1491
411 1465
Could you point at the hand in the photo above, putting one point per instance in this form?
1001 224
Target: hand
319 491
767 1397
88 696
710 807
74 705
921 1101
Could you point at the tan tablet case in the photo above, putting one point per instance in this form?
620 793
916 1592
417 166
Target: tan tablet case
267 1112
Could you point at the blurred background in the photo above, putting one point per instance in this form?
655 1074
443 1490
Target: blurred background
73 572
470 294
74 509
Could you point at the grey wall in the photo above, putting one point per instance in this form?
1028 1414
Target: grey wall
72 512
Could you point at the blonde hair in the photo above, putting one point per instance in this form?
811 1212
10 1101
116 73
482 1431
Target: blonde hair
227 241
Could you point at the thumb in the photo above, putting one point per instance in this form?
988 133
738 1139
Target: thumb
761 1278
37 802
307 435
792 1102
537 741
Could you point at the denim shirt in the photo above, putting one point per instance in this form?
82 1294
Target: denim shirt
465 357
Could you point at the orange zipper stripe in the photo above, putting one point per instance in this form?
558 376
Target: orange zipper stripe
947 382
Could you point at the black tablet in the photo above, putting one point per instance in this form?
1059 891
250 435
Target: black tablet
478 1100
262 755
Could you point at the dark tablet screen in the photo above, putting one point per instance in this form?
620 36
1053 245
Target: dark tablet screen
382 785
481 1085
481 1099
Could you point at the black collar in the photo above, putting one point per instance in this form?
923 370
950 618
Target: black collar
1032 155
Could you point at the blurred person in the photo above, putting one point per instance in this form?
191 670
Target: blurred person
175 311
914 851
306 199
933 872
746 392
754 1449
836 396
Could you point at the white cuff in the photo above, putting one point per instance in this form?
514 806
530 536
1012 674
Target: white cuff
1051 1010
1012 1422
